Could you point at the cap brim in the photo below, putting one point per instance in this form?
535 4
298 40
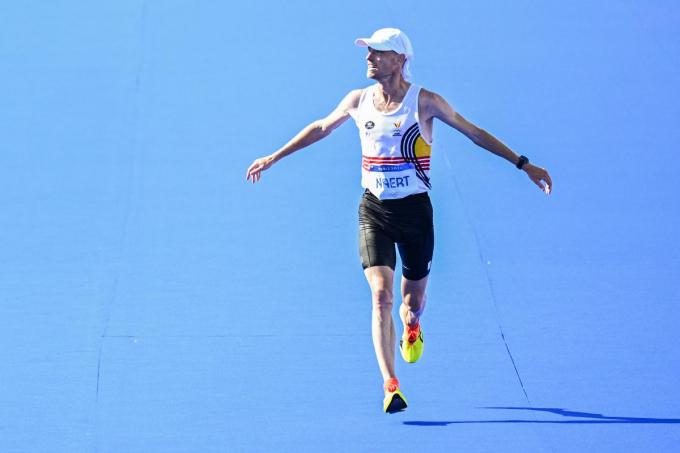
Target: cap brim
366 42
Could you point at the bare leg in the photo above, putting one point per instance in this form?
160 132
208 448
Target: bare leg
413 300
381 281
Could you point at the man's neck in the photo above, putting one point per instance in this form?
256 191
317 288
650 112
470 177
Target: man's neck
392 87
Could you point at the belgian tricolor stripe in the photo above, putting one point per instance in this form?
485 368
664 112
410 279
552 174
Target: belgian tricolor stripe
408 152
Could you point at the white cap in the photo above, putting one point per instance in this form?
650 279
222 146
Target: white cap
391 39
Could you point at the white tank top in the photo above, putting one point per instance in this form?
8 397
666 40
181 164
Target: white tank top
395 159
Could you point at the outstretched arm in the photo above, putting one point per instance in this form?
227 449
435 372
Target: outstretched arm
314 132
435 106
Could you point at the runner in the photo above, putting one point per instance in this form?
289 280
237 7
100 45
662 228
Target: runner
395 121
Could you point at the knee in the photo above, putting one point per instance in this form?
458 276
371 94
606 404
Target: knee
382 299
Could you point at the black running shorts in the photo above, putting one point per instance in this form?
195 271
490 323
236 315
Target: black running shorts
406 222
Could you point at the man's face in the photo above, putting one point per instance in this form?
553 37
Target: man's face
383 63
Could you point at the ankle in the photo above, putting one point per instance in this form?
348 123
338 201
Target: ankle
413 326
391 384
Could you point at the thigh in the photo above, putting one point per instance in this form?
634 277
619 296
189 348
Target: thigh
376 248
416 243
376 244
416 254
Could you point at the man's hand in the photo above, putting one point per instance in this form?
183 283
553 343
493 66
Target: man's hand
255 170
540 177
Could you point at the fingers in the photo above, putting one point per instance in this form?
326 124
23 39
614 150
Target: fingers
538 180
538 183
254 171
250 170
254 176
544 176
549 181
547 188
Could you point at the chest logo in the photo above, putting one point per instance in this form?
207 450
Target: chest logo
396 132
369 125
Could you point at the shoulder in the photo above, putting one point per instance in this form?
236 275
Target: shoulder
428 97
351 100
432 102
355 95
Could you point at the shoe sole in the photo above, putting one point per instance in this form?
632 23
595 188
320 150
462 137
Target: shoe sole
396 405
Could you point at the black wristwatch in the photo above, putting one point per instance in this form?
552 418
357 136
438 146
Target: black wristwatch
522 160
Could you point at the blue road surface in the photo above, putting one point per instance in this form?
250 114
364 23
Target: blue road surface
153 301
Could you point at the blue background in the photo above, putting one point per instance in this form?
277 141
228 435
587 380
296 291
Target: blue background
152 301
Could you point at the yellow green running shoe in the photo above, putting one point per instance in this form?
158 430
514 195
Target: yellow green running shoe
411 344
394 400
